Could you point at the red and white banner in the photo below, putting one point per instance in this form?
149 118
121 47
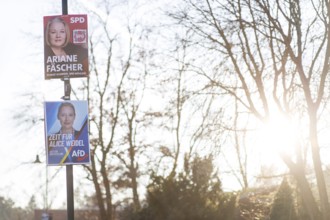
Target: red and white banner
65 46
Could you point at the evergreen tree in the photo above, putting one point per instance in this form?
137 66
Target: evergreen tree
196 195
8 211
32 205
283 207
6 208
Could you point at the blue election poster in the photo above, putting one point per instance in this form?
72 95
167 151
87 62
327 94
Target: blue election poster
66 132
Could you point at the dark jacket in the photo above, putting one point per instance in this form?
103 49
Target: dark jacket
70 49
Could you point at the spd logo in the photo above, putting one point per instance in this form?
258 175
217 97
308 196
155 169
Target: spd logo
79 36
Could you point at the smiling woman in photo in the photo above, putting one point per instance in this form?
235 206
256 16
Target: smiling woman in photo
62 57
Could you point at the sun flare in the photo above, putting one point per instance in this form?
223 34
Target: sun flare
277 136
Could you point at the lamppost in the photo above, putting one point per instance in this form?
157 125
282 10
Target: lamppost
45 215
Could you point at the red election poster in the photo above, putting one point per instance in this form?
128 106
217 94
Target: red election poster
65 46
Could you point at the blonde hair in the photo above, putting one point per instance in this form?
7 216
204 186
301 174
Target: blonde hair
66 26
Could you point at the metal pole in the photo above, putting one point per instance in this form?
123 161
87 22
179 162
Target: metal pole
64 7
69 190
46 199
69 168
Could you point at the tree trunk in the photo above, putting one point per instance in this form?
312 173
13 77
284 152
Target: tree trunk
324 201
309 202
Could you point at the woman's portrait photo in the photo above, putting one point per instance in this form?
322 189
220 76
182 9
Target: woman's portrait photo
65 46
66 132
